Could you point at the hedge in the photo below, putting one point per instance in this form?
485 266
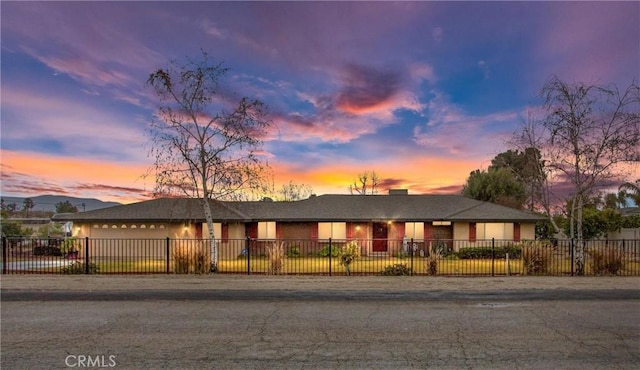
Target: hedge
486 252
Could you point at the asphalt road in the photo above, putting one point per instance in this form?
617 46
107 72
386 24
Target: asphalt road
321 329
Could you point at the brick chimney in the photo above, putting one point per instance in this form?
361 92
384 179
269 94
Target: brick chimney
398 191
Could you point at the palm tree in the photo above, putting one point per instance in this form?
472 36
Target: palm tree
630 190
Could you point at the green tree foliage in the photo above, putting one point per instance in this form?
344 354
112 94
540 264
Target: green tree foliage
13 228
66 207
497 185
613 201
528 169
50 230
598 223
631 222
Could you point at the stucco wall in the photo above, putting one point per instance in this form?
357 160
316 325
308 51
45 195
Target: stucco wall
148 240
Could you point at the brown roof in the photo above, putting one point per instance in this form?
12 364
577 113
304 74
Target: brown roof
316 208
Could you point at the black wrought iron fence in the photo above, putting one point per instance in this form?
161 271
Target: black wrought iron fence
489 257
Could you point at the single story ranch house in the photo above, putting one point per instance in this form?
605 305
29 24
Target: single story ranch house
383 224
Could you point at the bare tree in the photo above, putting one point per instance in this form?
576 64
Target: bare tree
292 192
587 133
204 144
366 184
27 206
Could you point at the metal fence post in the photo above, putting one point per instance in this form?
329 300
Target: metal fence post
330 257
248 249
168 250
493 256
411 254
86 255
4 254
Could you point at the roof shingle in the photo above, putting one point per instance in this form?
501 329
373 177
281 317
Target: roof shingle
316 208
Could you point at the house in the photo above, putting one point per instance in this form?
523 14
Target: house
384 224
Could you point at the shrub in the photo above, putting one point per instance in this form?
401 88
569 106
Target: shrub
431 263
47 251
324 252
398 269
69 245
401 254
276 256
608 261
80 268
442 248
192 259
536 258
294 252
485 252
348 254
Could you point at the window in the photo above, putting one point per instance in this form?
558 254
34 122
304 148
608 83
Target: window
333 230
414 230
267 230
497 230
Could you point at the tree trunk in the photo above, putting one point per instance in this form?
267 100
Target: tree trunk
212 236
580 242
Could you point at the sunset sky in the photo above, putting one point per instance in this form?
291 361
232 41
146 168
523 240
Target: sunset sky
421 92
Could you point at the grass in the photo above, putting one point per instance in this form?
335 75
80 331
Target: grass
320 266
369 266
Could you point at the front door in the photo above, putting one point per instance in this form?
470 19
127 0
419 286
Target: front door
380 232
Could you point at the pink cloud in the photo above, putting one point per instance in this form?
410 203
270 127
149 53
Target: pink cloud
365 100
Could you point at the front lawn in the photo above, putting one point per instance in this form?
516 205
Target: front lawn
310 265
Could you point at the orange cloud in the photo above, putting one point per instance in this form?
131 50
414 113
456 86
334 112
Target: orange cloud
25 173
421 175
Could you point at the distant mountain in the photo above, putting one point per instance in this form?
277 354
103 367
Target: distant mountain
47 203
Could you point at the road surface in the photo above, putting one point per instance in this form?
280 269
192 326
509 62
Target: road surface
186 326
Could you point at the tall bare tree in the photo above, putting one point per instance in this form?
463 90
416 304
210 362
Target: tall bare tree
204 143
588 131
366 183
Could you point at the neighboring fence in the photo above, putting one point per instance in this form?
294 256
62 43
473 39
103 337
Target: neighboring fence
320 257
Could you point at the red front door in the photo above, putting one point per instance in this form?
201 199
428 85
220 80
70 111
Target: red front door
380 232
